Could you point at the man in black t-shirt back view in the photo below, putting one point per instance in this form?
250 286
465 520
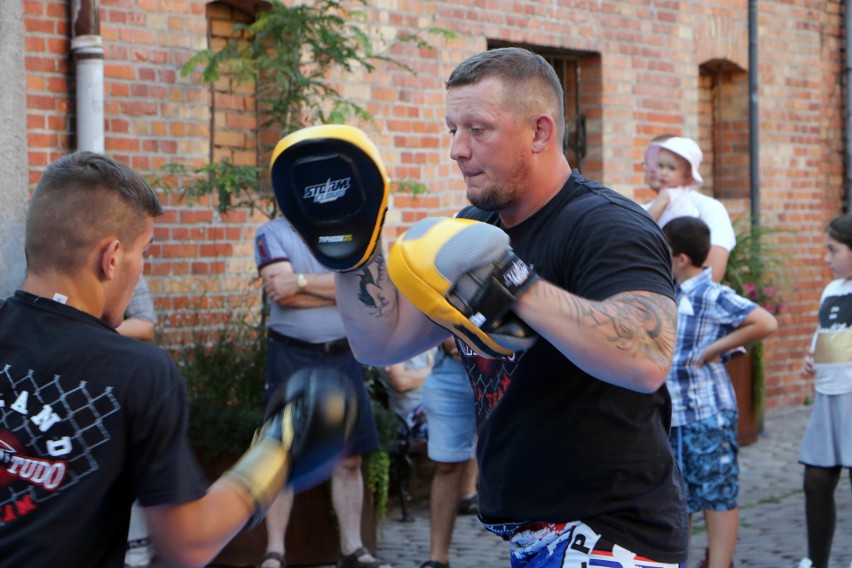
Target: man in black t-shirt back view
91 420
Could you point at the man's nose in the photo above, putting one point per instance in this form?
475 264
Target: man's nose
459 149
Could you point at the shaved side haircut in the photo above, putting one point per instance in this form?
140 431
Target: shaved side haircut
81 199
530 75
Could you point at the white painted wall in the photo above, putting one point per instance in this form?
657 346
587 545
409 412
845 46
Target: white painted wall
14 192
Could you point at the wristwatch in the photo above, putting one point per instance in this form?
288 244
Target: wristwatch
301 281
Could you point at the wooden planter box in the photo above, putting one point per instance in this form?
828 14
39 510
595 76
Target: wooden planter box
748 426
312 536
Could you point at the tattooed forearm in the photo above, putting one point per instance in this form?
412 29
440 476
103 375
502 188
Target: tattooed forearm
643 324
375 290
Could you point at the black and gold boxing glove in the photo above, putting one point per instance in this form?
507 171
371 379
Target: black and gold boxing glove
308 425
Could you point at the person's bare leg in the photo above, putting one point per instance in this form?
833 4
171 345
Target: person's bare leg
347 498
722 529
276 526
471 471
446 492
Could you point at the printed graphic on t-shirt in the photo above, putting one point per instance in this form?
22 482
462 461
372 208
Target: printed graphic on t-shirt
834 340
835 312
47 435
489 377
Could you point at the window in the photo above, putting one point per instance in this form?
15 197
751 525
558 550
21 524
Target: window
580 74
724 129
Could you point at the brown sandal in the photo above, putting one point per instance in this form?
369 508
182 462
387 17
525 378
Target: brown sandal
352 560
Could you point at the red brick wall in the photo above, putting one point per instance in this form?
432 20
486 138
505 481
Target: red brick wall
643 79
49 99
801 166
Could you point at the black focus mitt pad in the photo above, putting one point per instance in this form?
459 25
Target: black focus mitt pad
325 409
331 185
464 276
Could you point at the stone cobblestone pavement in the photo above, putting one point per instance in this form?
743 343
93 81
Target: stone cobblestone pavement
772 527
772 504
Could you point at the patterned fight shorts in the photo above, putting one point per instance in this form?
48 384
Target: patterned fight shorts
572 545
706 452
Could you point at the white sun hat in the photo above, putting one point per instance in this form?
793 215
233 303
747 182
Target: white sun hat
686 148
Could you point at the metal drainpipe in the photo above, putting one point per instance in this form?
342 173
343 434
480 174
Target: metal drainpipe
753 118
88 51
847 6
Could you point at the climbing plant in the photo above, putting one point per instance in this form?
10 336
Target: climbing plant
287 54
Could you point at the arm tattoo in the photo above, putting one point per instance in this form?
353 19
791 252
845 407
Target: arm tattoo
642 323
375 290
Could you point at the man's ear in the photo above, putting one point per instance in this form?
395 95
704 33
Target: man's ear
108 257
545 131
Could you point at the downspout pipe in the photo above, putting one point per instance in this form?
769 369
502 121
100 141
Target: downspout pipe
847 16
753 115
88 52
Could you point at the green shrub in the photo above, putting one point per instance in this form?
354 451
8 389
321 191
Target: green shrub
757 269
224 372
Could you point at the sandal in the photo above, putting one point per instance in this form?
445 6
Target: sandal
279 558
351 560
469 505
434 564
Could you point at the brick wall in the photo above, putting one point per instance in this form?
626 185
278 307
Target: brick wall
642 72
801 166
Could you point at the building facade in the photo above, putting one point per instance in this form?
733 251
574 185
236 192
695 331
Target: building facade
631 70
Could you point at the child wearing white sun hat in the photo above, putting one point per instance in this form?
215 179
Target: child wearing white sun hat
677 160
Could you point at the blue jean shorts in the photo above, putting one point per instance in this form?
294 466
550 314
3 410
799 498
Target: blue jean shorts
706 452
448 400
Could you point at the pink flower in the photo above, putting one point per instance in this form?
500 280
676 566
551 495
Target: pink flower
770 292
750 290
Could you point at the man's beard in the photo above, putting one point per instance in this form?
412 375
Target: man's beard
497 198
493 198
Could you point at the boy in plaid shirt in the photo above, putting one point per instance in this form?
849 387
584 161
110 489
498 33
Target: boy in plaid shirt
712 320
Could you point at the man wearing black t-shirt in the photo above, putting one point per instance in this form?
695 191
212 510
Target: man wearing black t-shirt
575 463
90 420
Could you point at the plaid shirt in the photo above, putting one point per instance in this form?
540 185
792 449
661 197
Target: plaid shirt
706 312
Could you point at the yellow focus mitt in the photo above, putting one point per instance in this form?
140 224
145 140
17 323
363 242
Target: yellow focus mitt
463 275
